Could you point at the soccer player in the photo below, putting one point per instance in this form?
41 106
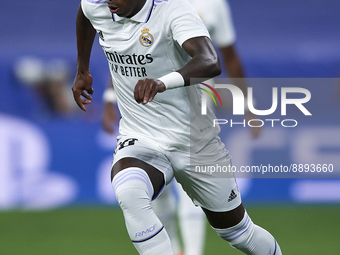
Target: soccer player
154 48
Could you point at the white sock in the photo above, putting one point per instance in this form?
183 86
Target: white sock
165 207
250 238
192 224
159 244
134 191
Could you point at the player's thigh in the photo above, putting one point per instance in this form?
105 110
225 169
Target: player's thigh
140 153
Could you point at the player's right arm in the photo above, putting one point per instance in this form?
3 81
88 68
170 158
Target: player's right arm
82 85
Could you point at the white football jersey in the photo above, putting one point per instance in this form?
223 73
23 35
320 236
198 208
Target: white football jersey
217 18
148 45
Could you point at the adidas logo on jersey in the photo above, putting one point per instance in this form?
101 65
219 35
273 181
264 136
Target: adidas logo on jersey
232 196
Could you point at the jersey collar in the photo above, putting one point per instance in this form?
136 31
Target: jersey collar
142 16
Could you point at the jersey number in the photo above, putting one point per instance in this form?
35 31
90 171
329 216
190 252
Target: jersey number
127 142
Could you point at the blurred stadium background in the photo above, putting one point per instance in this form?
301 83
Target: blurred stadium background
55 192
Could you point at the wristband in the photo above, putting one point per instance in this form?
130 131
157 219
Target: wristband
172 80
109 96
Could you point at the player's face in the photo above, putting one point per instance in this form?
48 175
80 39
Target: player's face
125 8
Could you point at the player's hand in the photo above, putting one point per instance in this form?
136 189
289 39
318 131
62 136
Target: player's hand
82 89
255 131
146 90
109 117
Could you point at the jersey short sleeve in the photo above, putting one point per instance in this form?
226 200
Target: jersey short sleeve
84 7
185 22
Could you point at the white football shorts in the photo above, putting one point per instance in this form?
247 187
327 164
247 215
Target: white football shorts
204 175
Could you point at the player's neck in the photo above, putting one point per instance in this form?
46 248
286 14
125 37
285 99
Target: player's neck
138 8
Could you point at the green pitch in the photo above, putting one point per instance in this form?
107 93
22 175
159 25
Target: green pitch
82 231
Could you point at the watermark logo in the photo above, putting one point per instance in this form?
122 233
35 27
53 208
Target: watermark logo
209 93
241 104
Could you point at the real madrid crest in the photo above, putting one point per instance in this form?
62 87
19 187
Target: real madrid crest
146 39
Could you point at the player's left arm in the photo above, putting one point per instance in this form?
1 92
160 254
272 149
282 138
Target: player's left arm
203 64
